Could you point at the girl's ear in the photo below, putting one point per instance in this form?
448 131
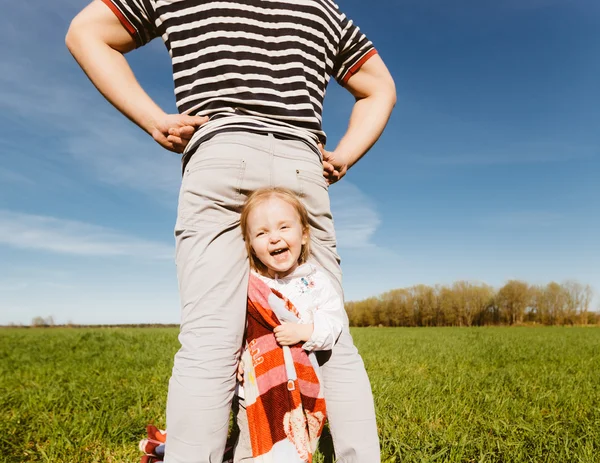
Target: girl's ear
305 236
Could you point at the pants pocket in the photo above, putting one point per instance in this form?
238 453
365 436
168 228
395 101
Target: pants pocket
210 190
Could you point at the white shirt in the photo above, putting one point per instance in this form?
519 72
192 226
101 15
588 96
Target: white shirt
312 293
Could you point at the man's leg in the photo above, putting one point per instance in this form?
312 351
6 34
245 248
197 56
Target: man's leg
212 271
243 446
348 395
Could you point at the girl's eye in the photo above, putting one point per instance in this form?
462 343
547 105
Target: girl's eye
260 234
284 227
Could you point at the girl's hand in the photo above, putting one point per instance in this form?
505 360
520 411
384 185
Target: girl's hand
240 372
289 334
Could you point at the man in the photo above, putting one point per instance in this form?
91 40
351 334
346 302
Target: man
250 78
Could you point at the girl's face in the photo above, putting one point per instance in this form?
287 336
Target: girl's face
276 235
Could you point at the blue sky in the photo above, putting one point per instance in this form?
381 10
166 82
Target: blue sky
488 169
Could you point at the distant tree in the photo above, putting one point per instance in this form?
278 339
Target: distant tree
586 301
540 310
468 304
493 315
41 321
550 303
578 298
482 297
423 305
398 306
447 307
513 299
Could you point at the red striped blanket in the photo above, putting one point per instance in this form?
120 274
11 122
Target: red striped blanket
283 394
284 399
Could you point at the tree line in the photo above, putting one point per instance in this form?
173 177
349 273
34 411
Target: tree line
470 304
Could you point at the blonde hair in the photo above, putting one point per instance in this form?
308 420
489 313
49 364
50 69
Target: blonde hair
260 196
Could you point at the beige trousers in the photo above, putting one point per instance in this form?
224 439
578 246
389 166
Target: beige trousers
212 268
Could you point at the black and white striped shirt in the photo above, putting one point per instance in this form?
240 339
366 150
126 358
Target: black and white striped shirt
251 65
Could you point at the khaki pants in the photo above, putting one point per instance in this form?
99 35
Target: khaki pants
212 268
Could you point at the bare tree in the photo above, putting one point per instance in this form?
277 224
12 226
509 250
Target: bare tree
513 300
41 321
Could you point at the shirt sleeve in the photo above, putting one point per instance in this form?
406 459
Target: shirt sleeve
137 16
328 316
354 50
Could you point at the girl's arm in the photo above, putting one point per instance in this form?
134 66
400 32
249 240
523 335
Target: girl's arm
329 316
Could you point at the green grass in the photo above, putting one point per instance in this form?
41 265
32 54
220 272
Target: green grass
442 394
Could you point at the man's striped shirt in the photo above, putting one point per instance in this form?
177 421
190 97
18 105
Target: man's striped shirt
251 65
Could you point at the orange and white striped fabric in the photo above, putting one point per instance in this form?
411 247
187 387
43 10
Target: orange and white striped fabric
282 389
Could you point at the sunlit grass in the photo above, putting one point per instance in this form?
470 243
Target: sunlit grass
442 394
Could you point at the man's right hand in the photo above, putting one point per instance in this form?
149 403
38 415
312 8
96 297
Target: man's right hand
174 131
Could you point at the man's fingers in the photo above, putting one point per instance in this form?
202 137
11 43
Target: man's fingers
334 177
326 155
177 144
186 132
194 121
181 136
330 173
176 140
328 167
163 141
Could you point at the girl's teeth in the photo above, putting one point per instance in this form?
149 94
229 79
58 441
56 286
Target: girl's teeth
280 255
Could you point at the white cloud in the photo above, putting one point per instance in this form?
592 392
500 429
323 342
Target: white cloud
355 214
62 236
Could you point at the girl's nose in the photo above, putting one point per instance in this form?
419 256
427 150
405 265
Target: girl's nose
274 237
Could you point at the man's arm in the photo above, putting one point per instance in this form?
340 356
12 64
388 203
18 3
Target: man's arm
97 40
375 93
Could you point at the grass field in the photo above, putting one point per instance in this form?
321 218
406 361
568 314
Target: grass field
442 394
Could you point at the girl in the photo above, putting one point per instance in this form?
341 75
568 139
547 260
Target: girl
276 232
275 228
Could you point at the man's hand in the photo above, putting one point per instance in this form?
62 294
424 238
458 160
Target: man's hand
174 131
289 334
334 168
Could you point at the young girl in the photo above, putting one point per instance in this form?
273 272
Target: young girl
275 227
